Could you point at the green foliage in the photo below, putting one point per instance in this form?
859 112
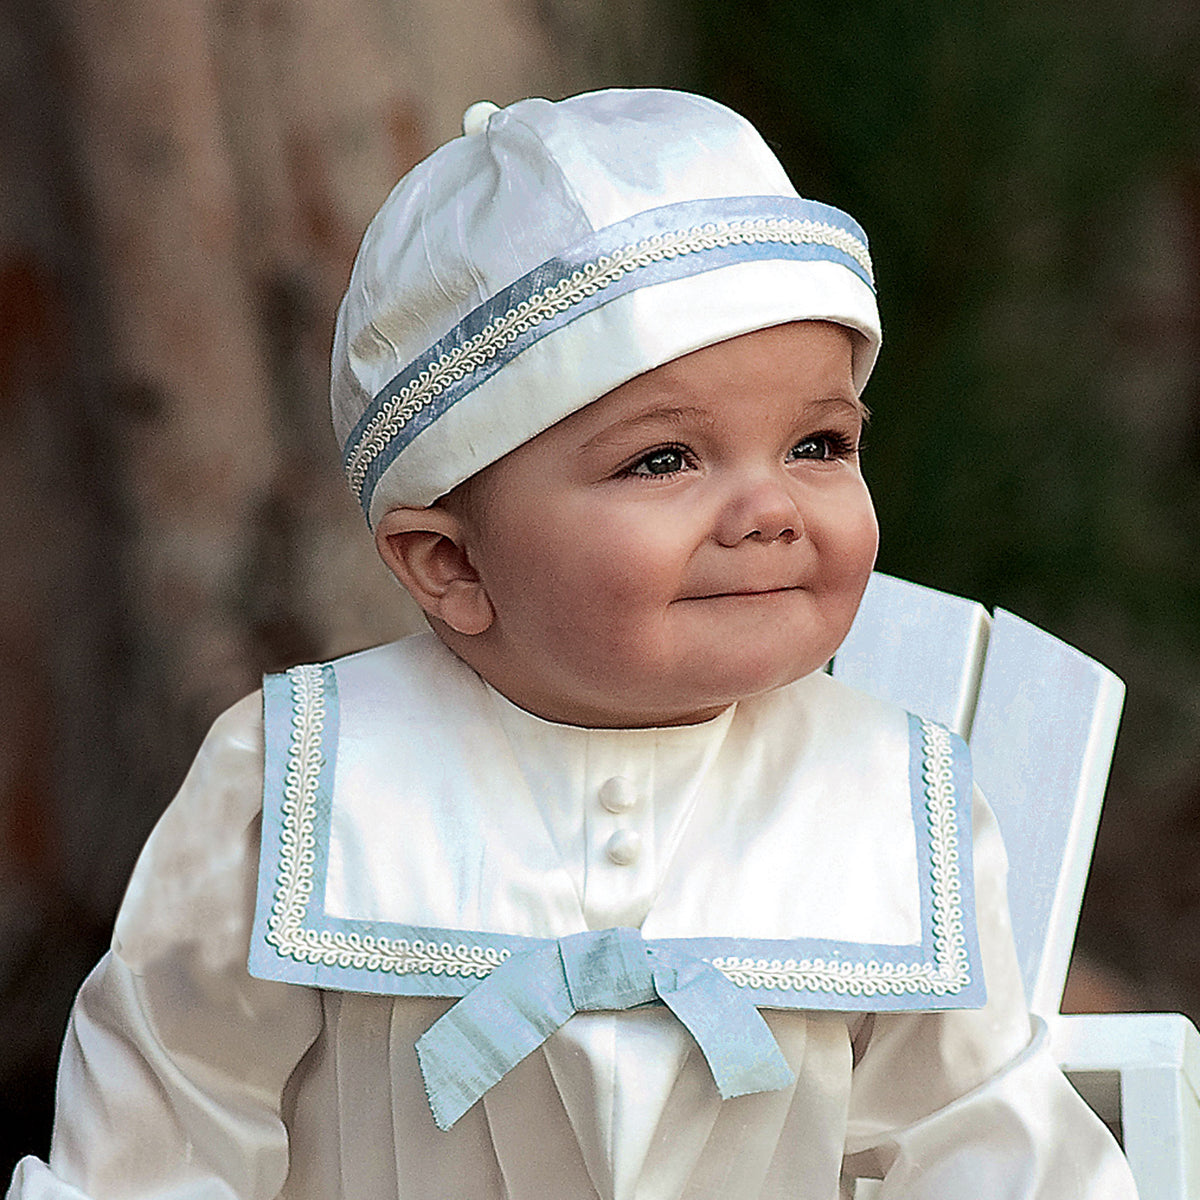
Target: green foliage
1002 157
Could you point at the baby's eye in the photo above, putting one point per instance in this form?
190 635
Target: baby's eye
666 460
823 447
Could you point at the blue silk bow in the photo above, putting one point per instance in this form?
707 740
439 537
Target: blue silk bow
530 995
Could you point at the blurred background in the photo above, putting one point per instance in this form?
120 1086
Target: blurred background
182 189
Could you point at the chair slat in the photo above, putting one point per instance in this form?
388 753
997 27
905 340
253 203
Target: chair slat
1041 718
917 647
1041 747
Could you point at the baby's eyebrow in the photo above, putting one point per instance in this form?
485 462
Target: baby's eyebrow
666 414
853 403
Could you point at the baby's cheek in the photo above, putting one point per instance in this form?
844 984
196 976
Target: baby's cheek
853 542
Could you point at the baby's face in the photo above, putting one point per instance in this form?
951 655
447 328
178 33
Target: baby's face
699 535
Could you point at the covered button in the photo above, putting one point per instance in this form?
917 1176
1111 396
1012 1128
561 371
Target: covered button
617 794
624 847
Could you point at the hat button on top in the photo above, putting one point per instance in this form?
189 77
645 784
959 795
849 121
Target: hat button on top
624 847
476 117
617 795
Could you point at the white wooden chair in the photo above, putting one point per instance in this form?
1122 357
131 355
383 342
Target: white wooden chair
1041 719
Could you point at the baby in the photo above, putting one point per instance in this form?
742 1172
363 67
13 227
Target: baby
602 888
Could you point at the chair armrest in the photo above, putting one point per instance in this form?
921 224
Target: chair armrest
1141 1073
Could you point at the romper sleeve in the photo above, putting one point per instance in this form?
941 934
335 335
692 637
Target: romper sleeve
176 1059
957 1105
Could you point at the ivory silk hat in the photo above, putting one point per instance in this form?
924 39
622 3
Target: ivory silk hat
555 251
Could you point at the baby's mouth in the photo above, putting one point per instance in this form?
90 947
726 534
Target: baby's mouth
747 591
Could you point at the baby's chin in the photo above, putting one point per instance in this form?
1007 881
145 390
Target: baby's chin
752 676
626 690
686 706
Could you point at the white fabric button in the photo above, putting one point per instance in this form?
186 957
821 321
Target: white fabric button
617 794
624 847
476 117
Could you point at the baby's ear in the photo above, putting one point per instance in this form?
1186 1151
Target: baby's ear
425 548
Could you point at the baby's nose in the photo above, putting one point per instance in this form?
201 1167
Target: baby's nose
764 512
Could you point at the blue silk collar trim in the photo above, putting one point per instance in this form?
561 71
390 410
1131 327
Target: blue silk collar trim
295 941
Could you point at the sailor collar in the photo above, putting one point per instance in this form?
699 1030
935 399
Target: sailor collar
819 867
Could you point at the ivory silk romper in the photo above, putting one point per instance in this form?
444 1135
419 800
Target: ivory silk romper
415 837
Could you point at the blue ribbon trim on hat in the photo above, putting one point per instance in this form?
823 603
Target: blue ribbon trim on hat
655 246
522 1002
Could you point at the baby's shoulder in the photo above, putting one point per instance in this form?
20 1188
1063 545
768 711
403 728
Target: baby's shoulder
193 875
